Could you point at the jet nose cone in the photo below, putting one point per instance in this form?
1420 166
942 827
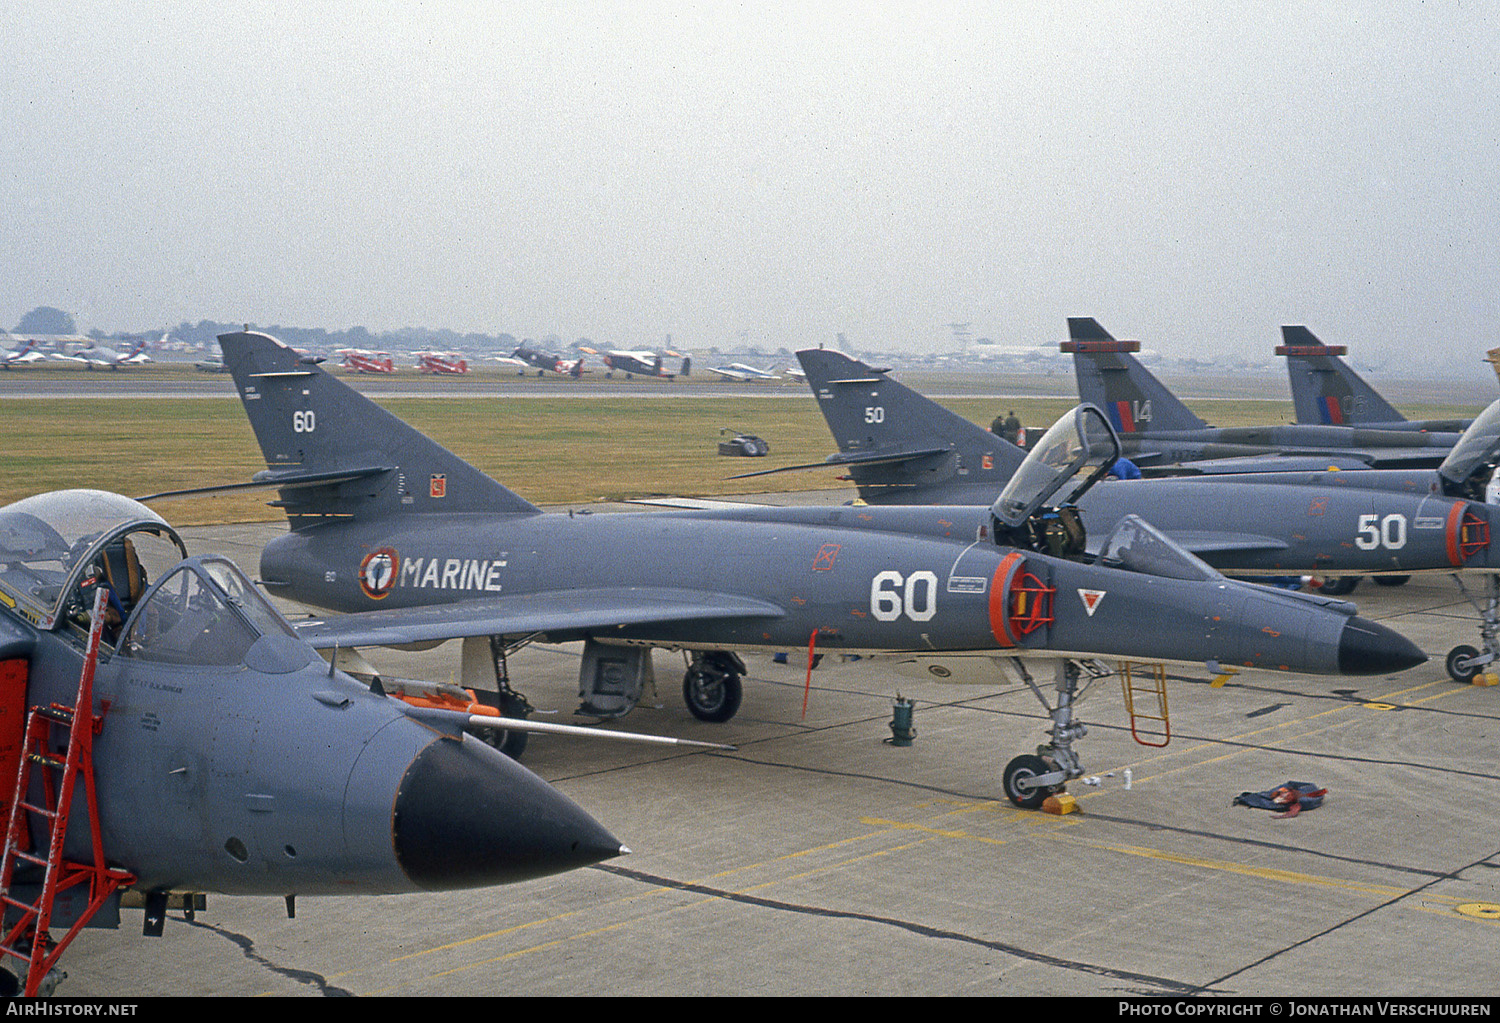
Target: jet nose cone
1366 648
467 816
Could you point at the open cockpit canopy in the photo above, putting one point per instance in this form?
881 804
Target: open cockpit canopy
1081 446
53 544
1478 448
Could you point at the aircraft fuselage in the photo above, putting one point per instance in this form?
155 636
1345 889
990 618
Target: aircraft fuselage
857 590
1258 528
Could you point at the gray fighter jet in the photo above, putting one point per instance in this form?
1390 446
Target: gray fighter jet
901 448
426 548
1158 430
1326 391
165 733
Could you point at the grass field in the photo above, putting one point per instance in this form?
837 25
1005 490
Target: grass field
550 450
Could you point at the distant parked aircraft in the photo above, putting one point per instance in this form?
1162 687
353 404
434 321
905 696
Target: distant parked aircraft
542 362
23 354
441 362
97 356
741 371
362 360
641 363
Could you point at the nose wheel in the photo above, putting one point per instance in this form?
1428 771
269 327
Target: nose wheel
1464 662
1028 780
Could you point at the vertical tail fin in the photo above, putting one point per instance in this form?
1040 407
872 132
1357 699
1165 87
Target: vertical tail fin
340 453
1324 389
1110 377
910 440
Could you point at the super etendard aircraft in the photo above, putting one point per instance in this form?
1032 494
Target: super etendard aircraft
1158 430
388 523
170 735
901 448
1328 392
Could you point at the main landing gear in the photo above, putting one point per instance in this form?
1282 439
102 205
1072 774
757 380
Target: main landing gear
1029 780
492 649
711 687
1464 662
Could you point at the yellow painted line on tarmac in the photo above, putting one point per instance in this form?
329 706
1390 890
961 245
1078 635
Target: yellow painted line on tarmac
929 830
1136 766
1244 869
582 935
597 908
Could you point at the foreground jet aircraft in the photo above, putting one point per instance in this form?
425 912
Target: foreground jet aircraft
902 448
1158 430
388 523
182 740
1328 392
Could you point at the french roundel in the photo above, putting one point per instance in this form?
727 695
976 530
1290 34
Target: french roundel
377 573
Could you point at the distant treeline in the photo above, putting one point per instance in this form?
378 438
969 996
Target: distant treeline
205 334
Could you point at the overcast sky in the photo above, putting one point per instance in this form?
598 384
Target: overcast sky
1191 174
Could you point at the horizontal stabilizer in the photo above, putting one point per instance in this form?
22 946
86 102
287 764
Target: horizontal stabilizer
572 612
265 481
838 460
692 503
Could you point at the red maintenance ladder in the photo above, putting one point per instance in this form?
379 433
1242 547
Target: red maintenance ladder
29 939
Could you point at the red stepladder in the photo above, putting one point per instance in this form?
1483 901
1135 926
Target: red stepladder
29 938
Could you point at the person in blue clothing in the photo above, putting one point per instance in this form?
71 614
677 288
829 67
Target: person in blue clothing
1123 469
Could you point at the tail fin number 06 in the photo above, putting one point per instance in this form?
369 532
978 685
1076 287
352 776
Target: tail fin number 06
304 422
1376 532
893 596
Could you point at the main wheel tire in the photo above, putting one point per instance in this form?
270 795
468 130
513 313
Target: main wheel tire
1392 580
1022 767
1338 586
1462 672
508 740
711 695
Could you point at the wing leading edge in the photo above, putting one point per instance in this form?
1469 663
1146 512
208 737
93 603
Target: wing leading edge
564 613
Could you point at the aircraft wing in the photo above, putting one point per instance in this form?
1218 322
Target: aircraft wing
1294 462
572 612
1301 461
